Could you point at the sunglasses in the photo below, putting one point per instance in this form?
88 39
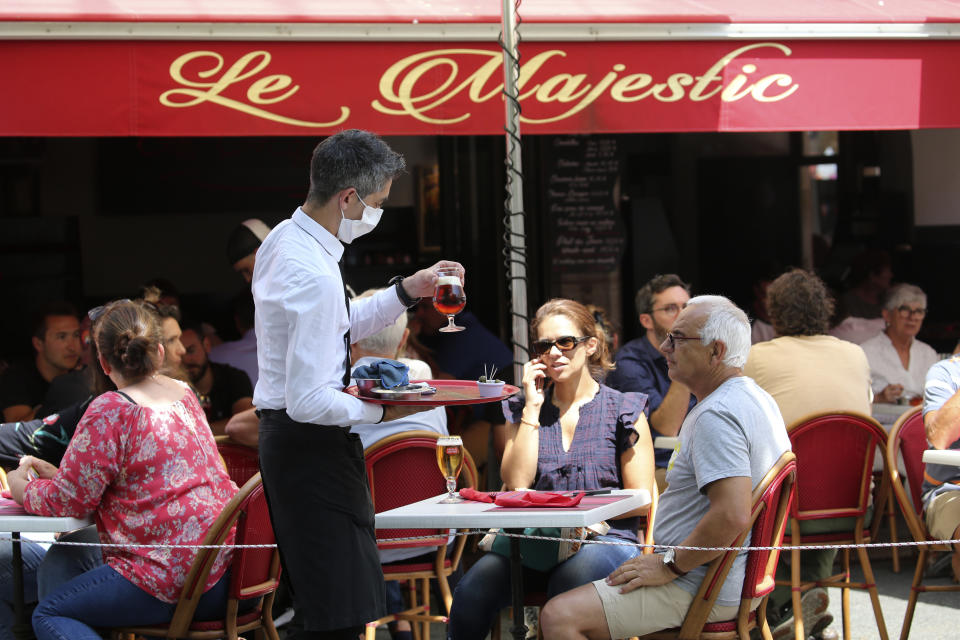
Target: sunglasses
564 343
95 313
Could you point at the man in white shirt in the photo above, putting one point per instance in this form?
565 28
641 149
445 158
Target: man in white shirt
312 466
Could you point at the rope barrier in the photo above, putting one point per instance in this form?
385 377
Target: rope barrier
623 543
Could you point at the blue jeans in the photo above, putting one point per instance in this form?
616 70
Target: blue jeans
485 589
64 563
104 598
32 556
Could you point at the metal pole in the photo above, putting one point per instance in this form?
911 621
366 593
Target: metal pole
516 245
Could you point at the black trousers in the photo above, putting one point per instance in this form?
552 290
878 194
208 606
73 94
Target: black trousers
316 486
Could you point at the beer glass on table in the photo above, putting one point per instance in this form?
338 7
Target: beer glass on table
449 298
450 461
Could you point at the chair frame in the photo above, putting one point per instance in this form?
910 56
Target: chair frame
193 585
913 513
419 611
840 580
775 491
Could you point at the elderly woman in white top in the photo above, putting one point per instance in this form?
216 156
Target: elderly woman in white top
898 361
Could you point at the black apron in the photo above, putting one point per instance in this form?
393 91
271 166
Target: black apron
315 481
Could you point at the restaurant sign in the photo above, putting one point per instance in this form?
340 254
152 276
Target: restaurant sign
296 88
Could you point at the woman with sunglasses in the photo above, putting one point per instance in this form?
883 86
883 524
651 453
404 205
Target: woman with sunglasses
898 361
144 461
565 432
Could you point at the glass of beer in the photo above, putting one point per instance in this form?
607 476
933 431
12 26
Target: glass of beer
449 298
450 461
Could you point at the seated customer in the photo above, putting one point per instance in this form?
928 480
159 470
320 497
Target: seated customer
728 443
941 482
223 391
565 432
56 340
641 366
898 361
144 461
806 372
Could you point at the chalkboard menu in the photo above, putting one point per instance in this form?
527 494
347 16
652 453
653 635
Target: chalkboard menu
585 232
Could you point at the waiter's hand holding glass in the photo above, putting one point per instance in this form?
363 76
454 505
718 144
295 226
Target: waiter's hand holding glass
449 298
450 461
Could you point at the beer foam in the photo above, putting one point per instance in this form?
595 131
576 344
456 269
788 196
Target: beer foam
442 280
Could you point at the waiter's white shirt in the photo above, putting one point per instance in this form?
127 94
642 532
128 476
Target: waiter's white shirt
301 319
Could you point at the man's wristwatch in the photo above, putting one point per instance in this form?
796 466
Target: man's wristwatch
670 562
405 299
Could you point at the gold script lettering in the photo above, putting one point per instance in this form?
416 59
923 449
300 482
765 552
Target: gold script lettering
419 84
410 70
247 66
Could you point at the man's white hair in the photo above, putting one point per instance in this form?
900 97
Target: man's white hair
386 341
727 323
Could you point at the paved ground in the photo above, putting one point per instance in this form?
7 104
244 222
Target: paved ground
937 615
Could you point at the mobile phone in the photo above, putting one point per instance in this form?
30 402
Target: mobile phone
539 384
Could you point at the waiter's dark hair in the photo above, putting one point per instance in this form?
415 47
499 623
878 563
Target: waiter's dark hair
352 158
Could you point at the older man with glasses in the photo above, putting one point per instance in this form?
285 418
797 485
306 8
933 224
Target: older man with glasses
642 367
728 443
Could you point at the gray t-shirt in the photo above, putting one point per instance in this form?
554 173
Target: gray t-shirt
943 380
736 431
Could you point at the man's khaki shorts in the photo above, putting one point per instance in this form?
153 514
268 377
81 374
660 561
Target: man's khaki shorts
943 515
649 609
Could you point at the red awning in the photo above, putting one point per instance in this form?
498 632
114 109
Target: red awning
287 67
452 11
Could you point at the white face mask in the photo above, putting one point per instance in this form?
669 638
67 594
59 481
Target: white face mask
350 230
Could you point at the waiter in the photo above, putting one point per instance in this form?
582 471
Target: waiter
312 466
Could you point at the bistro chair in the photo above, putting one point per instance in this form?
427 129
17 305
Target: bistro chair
241 461
402 469
835 454
254 573
908 438
768 518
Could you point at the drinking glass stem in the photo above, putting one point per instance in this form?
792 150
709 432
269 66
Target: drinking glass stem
451 486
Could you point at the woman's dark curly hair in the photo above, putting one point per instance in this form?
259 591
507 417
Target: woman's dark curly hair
799 304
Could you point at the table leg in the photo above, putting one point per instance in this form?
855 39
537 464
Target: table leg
519 629
21 627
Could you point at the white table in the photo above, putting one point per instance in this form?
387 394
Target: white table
24 523
942 456
482 515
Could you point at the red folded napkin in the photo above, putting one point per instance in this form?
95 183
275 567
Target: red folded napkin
477 496
537 499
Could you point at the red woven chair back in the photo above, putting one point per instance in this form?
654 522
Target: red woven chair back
768 530
771 501
403 469
911 439
254 572
242 461
835 453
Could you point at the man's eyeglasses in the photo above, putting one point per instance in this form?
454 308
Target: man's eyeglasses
672 339
907 312
670 309
564 343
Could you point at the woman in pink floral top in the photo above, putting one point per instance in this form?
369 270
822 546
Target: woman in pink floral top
144 461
